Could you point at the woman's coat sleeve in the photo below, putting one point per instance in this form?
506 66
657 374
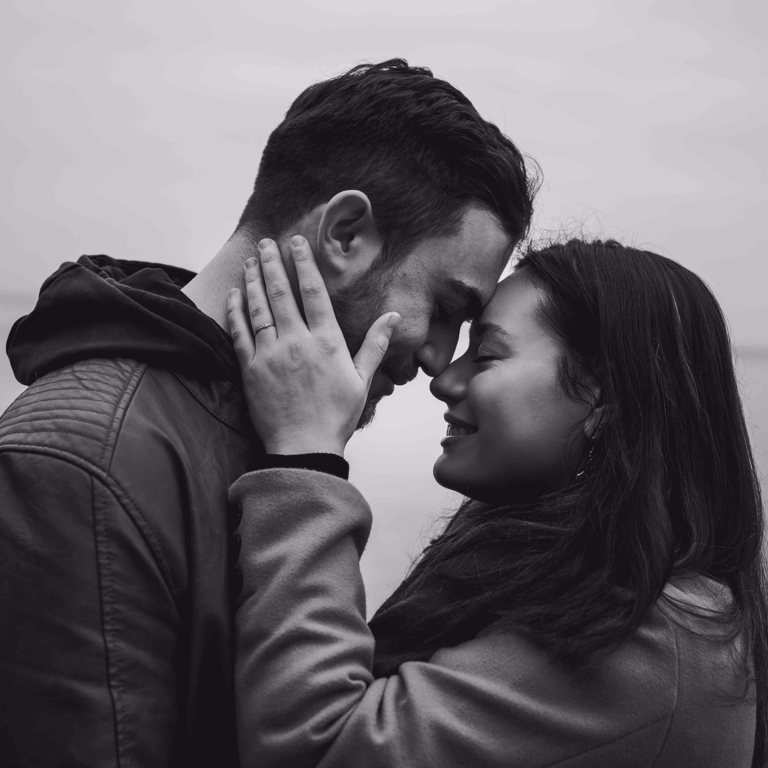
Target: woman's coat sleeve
305 692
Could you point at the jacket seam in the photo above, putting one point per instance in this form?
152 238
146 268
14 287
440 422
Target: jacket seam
121 409
642 727
123 497
207 408
103 573
677 692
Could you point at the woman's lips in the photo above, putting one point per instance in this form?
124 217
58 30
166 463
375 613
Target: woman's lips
457 428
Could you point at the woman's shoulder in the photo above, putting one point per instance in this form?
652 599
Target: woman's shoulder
691 629
712 683
709 644
678 681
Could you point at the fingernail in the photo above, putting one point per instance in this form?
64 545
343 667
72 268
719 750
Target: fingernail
233 292
265 243
251 261
297 241
394 320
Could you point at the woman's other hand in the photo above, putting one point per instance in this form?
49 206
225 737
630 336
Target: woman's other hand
305 392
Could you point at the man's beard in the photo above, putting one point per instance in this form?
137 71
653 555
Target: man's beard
356 307
369 411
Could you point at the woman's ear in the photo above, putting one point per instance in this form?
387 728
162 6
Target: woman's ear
347 237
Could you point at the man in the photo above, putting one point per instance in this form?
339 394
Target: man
115 462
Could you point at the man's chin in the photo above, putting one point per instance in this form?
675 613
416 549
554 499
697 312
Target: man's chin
382 386
369 411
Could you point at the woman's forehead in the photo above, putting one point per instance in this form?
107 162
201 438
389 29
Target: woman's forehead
515 299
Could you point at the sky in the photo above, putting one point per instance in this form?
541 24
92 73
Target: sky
135 129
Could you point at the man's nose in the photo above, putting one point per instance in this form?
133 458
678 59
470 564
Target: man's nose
436 353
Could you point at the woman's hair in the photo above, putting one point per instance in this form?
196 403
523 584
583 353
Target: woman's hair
670 488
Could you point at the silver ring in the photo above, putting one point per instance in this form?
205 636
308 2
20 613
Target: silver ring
262 327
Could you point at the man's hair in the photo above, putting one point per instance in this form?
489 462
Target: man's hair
414 144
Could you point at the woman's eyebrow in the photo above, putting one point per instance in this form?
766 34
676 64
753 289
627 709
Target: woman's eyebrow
484 328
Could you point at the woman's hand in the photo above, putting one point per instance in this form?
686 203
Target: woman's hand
305 393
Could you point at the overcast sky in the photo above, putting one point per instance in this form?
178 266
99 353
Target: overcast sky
135 129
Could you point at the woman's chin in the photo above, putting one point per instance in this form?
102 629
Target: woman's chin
450 478
461 478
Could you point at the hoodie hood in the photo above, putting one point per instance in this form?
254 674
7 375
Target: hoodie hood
103 307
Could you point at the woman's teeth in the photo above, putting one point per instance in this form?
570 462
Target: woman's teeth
454 430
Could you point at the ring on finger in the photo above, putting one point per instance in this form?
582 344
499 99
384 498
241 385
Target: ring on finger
262 327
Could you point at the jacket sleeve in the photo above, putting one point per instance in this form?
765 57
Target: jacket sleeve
305 692
89 625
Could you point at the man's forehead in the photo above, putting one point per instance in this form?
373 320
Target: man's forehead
476 278
469 264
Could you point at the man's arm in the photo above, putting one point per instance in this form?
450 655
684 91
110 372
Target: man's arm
89 625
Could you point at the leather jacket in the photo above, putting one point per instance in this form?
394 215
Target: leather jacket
115 642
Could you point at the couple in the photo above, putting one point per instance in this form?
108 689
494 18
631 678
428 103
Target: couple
180 579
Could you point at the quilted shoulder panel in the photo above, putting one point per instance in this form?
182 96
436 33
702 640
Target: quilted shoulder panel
77 409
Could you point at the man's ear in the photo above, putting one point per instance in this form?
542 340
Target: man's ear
347 237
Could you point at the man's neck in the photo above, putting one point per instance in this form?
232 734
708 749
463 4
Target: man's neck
210 287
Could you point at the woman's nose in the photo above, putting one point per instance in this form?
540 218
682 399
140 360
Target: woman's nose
450 386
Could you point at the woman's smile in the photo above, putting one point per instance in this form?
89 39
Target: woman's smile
457 428
510 424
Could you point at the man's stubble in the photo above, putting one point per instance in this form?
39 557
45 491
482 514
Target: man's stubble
357 306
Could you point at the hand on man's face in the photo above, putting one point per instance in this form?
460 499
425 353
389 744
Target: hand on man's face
442 283
305 393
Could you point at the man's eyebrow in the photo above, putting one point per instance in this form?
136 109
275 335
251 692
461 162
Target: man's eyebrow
470 295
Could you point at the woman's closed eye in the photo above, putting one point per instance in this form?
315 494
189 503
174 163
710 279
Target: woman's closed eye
485 356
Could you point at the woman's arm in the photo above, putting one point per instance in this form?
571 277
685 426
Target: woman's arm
306 695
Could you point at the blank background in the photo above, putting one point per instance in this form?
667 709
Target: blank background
135 129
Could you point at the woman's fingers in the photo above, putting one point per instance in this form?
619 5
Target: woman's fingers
242 338
314 295
258 305
285 313
375 346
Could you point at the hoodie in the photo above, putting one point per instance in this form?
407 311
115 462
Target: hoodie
101 307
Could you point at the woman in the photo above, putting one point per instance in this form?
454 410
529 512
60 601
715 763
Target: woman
598 602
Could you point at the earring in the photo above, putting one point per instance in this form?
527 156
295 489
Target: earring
587 464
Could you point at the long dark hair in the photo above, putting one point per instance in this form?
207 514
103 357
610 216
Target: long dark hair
670 488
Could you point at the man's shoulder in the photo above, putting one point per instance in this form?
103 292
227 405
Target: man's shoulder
91 410
72 411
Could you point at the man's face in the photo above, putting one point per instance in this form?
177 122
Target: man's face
441 283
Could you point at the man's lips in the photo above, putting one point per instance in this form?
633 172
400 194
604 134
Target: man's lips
398 378
388 379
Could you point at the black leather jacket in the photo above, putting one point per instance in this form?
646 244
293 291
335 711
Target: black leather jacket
115 647
115 641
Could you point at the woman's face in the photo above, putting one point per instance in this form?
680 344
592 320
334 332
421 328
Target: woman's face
513 433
